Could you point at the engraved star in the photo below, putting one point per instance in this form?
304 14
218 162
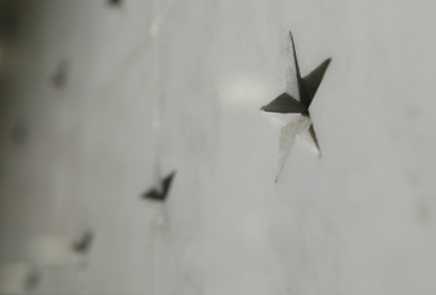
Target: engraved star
286 104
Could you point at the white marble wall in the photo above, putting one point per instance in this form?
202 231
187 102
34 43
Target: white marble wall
359 220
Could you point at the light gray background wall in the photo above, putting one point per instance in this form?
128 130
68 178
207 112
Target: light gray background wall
360 220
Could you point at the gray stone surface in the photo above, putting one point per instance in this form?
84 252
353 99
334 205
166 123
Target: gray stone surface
179 84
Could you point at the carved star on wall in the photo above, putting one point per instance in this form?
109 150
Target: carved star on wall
286 104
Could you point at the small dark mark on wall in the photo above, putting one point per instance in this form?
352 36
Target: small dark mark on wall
423 212
114 2
160 192
413 112
59 78
83 244
32 280
19 133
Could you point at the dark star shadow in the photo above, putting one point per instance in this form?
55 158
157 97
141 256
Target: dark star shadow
19 133
84 243
114 2
59 78
160 192
33 280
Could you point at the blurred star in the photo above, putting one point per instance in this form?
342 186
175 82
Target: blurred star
114 2
60 76
83 244
19 133
160 192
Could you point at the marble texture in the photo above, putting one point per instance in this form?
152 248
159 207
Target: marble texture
179 84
